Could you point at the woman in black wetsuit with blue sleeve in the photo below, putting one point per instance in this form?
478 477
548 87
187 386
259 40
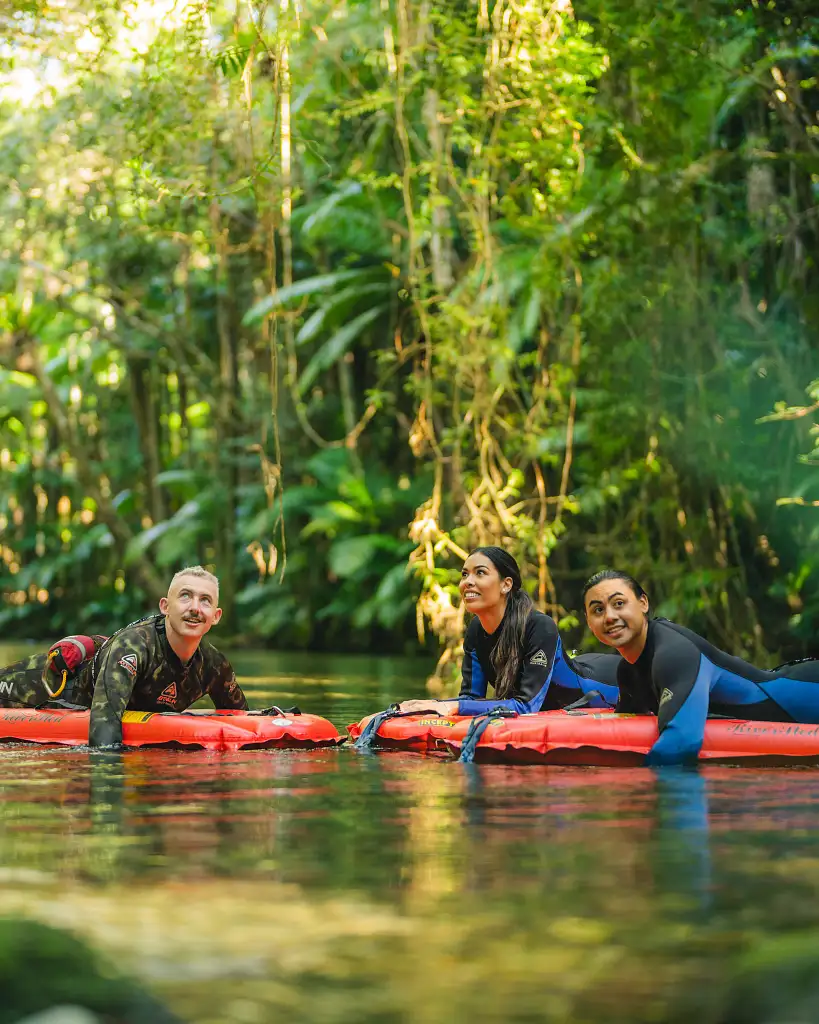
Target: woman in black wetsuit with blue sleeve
669 671
516 649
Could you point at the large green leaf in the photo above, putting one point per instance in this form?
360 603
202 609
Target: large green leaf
348 189
330 313
177 478
297 290
140 544
334 349
350 555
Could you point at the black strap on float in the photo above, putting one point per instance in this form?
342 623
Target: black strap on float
57 704
369 734
53 703
477 727
586 699
274 709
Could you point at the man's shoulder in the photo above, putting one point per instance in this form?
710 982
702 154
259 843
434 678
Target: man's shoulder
139 633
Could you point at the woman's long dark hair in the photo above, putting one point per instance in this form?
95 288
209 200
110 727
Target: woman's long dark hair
613 574
508 653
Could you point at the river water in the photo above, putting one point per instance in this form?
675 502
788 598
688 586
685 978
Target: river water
333 886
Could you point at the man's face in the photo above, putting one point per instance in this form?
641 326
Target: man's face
191 606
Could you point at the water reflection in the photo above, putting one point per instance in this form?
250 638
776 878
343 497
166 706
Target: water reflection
323 885
682 849
329 817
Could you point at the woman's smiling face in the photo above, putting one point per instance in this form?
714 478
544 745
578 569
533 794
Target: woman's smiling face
615 614
481 585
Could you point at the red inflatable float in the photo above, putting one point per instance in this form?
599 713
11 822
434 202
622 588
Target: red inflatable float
594 738
208 730
409 732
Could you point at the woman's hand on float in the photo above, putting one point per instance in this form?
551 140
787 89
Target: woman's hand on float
429 707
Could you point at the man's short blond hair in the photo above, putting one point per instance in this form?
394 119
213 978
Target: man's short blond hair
196 570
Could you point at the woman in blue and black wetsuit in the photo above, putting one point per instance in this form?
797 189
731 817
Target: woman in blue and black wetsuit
668 671
516 649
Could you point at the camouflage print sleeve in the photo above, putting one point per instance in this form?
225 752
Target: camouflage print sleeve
119 664
223 690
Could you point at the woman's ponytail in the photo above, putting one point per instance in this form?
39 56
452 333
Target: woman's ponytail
508 653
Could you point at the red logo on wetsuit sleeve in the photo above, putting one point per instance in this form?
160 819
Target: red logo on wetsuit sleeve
129 663
168 695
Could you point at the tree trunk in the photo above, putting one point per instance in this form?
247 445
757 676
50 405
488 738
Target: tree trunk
145 413
66 430
225 420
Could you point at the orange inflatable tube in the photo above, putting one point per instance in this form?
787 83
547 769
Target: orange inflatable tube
411 732
207 730
597 738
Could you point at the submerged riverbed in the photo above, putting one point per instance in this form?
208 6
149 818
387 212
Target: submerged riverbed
332 886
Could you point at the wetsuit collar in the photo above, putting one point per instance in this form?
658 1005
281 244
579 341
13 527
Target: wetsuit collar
169 652
647 652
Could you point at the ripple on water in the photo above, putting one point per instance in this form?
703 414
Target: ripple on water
332 886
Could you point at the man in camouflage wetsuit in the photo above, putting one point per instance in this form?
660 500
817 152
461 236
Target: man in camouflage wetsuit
159 663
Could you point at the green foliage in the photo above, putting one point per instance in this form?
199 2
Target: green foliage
343 568
44 968
277 283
